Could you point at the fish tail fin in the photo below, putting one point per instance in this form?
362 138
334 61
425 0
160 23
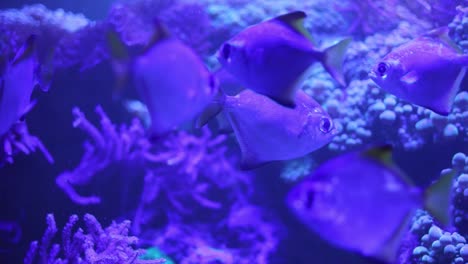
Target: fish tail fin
437 197
212 110
120 62
333 60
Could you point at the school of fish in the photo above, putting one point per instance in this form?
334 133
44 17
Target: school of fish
273 119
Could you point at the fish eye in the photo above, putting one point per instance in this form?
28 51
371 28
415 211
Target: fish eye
226 51
309 199
325 125
382 69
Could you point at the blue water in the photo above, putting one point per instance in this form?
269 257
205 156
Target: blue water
249 221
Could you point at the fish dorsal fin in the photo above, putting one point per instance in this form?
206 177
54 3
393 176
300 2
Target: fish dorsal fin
383 155
295 20
160 33
26 51
437 197
410 77
442 34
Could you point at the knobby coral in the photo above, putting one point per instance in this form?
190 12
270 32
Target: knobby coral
431 244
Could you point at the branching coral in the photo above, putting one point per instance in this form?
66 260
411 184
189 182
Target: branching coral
109 145
186 175
247 234
91 245
368 15
19 140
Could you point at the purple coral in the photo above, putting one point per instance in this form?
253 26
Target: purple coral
109 145
91 245
431 243
19 140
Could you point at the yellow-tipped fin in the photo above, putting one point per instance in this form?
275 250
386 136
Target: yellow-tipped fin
161 32
442 34
383 154
438 197
333 60
120 61
295 20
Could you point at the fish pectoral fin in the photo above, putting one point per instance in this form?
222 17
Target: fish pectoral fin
438 197
410 77
295 21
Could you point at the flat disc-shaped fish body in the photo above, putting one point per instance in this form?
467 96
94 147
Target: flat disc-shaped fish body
173 83
355 202
269 58
267 131
426 71
16 86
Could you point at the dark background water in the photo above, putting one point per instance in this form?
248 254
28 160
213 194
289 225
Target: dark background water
28 190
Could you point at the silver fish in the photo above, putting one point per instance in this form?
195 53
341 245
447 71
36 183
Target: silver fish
171 79
362 202
17 84
426 71
267 131
271 57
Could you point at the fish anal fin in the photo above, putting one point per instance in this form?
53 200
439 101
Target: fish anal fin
26 51
250 162
410 77
388 252
437 198
443 106
295 20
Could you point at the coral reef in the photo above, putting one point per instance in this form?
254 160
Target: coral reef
362 109
19 140
109 145
433 244
294 170
195 205
186 175
91 245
